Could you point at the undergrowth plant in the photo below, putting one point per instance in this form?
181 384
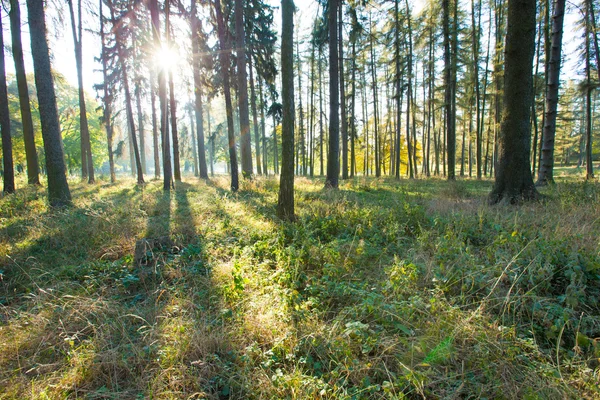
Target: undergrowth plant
383 289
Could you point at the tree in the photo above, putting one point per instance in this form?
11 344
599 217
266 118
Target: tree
33 169
546 171
87 165
450 92
7 157
120 30
333 154
108 97
514 181
225 66
285 202
242 81
195 28
58 189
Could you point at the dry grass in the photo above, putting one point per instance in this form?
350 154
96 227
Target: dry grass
381 290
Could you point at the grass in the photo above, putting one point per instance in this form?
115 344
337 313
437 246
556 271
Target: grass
383 290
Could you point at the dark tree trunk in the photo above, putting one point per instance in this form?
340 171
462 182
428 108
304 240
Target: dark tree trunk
588 93
162 100
87 164
263 128
546 171
449 93
196 59
321 133
255 118
377 149
8 172
33 169
174 130
246 144
58 189
333 155
514 181
108 98
343 96
285 202
128 108
225 63
154 127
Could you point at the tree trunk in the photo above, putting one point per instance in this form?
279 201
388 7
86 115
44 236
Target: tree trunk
225 62
87 165
108 98
263 127
514 181
588 95
448 98
546 171
375 103
196 60
285 202
333 154
154 126
246 145
8 172
255 117
58 189
33 169
343 96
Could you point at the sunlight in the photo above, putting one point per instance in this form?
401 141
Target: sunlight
165 58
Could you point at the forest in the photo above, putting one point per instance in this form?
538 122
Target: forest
324 199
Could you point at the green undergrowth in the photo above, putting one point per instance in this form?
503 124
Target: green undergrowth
381 290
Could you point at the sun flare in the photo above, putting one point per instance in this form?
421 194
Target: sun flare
165 58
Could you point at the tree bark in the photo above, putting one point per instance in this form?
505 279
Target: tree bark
8 172
333 154
546 171
514 181
33 169
59 194
225 63
246 145
285 202
108 98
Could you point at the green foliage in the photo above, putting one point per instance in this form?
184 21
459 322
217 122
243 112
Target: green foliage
380 290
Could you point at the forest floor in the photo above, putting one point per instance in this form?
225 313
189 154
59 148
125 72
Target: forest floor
381 290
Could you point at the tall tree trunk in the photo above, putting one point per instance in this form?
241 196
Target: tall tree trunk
476 21
108 98
196 60
33 169
58 189
245 142
343 95
154 126
285 202
353 114
311 122
321 133
398 81
514 181
87 165
301 149
448 98
137 90
263 127
255 117
546 172
225 62
8 172
333 155
588 94
375 102
162 99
